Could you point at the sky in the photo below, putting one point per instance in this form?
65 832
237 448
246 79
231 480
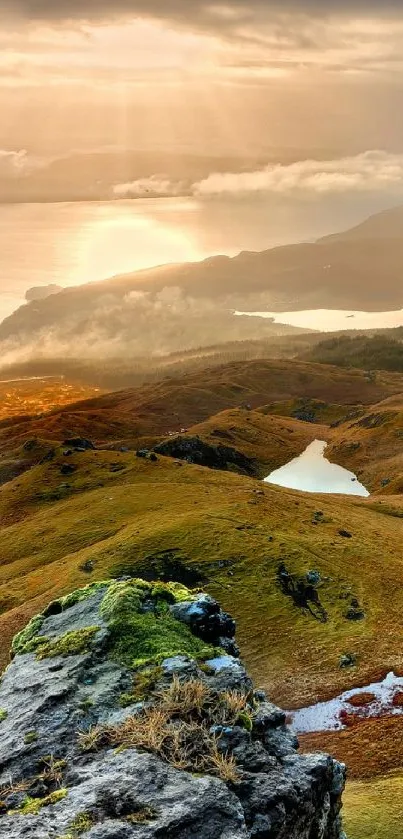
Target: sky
290 106
319 76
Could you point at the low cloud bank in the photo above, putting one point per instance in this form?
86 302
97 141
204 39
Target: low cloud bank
370 171
154 187
135 324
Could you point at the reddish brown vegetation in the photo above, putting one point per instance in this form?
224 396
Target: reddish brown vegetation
359 700
370 748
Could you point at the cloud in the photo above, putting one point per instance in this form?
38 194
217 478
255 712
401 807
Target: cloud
157 186
370 171
224 12
113 325
66 41
13 163
242 20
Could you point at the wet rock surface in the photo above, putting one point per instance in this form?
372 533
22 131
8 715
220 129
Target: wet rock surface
81 667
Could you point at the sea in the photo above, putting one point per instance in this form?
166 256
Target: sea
74 243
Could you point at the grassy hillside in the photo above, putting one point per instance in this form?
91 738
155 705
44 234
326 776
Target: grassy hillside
169 405
269 441
141 417
372 810
117 514
369 353
372 446
117 372
114 513
111 513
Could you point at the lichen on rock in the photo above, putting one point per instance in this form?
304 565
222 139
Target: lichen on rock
150 726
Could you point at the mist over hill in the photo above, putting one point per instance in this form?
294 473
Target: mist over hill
378 352
190 305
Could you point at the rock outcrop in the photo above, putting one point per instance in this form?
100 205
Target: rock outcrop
195 450
126 712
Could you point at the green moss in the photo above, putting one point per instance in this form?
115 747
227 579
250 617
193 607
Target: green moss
86 704
245 720
146 814
170 592
32 806
127 597
144 683
137 637
23 641
3 714
205 668
81 824
71 643
82 594
30 737
149 638
123 599
28 640
32 646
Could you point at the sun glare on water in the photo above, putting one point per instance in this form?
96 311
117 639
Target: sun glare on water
113 245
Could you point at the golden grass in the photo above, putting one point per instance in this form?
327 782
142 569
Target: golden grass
373 810
117 522
184 698
177 728
270 441
374 453
183 401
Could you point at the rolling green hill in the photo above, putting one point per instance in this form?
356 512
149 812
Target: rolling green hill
68 520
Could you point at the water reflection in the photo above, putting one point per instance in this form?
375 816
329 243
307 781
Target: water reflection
333 320
312 472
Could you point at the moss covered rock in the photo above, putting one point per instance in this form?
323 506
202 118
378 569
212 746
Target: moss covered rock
148 723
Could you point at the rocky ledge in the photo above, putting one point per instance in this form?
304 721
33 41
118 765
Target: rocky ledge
126 712
195 450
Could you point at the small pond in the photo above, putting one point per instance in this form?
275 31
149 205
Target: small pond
312 472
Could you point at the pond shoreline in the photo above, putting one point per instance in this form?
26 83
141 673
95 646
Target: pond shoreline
312 472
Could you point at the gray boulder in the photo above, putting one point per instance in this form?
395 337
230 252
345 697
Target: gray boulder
88 673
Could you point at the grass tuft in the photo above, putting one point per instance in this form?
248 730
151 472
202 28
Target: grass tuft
31 737
179 728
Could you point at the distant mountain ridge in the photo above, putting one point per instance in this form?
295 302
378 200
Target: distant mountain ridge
188 305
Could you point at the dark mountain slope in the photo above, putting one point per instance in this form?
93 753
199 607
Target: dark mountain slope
190 304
